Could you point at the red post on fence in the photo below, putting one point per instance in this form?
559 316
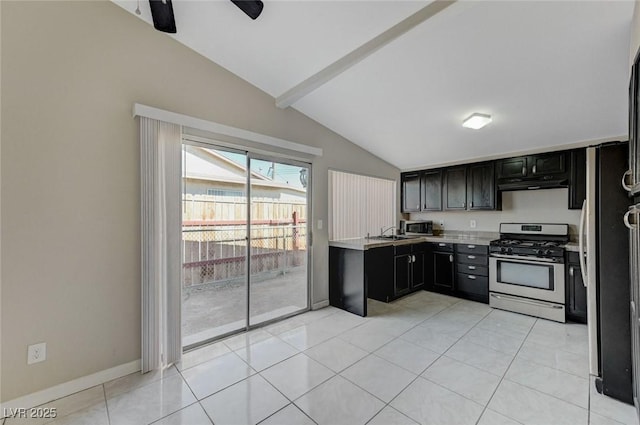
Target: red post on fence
295 231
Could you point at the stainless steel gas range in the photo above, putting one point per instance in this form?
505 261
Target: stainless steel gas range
526 269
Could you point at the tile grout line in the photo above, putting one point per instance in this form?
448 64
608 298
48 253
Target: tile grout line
505 374
106 405
420 374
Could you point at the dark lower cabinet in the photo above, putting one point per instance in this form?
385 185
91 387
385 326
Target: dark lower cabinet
419 252
472 267
575 291
409 268
442 268
402 269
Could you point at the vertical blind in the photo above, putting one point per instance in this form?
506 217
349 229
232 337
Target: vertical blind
160 177
359 205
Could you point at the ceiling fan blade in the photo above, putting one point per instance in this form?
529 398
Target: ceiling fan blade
253 8
162 13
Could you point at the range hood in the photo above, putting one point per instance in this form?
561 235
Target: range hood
533 184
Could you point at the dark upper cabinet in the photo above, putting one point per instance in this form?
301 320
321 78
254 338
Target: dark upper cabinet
455 188
577 178
431 183
512 168
410 192
481 188
551 163
532 172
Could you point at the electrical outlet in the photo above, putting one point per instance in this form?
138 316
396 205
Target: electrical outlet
37 353
472 224
441 223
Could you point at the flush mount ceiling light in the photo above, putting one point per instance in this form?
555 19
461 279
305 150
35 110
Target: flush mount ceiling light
476 121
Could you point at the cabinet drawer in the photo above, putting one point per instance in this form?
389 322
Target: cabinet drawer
442 246
402 249
473 249
481 260
473 269
473 284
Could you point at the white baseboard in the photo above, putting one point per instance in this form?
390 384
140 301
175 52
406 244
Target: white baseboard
320 305
71 387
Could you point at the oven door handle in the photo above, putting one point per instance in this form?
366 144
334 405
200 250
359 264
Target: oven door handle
583 254
520 260
527 301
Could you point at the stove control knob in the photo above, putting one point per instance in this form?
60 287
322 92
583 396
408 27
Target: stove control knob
509 250
539 252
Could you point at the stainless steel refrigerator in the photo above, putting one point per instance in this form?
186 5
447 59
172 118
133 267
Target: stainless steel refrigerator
605 267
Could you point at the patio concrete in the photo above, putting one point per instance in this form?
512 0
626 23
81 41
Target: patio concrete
217 308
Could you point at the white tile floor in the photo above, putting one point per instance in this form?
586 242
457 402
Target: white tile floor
426 358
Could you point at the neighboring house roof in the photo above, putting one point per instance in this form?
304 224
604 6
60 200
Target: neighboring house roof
206 164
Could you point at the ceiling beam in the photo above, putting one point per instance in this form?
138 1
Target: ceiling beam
296 93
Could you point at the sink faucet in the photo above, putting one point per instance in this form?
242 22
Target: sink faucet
383 230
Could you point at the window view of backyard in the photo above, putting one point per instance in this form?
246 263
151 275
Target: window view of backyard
216 247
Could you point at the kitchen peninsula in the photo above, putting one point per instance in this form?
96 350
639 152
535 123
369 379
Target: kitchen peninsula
385 269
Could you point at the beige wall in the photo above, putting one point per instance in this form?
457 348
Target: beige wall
635 33
544 206
71 72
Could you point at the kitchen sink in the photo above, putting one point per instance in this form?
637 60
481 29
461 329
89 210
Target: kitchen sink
393 237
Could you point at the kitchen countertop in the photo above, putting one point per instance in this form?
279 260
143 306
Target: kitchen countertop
476 238
362 244
572 246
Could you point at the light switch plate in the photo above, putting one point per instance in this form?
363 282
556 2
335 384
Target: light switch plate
472 224
319 224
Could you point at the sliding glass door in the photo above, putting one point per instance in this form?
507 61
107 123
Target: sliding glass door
278 244
244 263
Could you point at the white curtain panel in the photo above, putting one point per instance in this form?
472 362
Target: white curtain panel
160 166
359 205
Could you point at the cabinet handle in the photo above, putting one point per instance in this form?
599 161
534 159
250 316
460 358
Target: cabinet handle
464 204
471 257
471 246
471 277
472 267
535 168
451 258
413 258
418 206
571 271
409 259
442 244
633 307
524 170
624 180
471 204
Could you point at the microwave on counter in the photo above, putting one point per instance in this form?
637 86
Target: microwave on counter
416 227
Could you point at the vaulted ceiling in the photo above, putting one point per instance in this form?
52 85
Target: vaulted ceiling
550 73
